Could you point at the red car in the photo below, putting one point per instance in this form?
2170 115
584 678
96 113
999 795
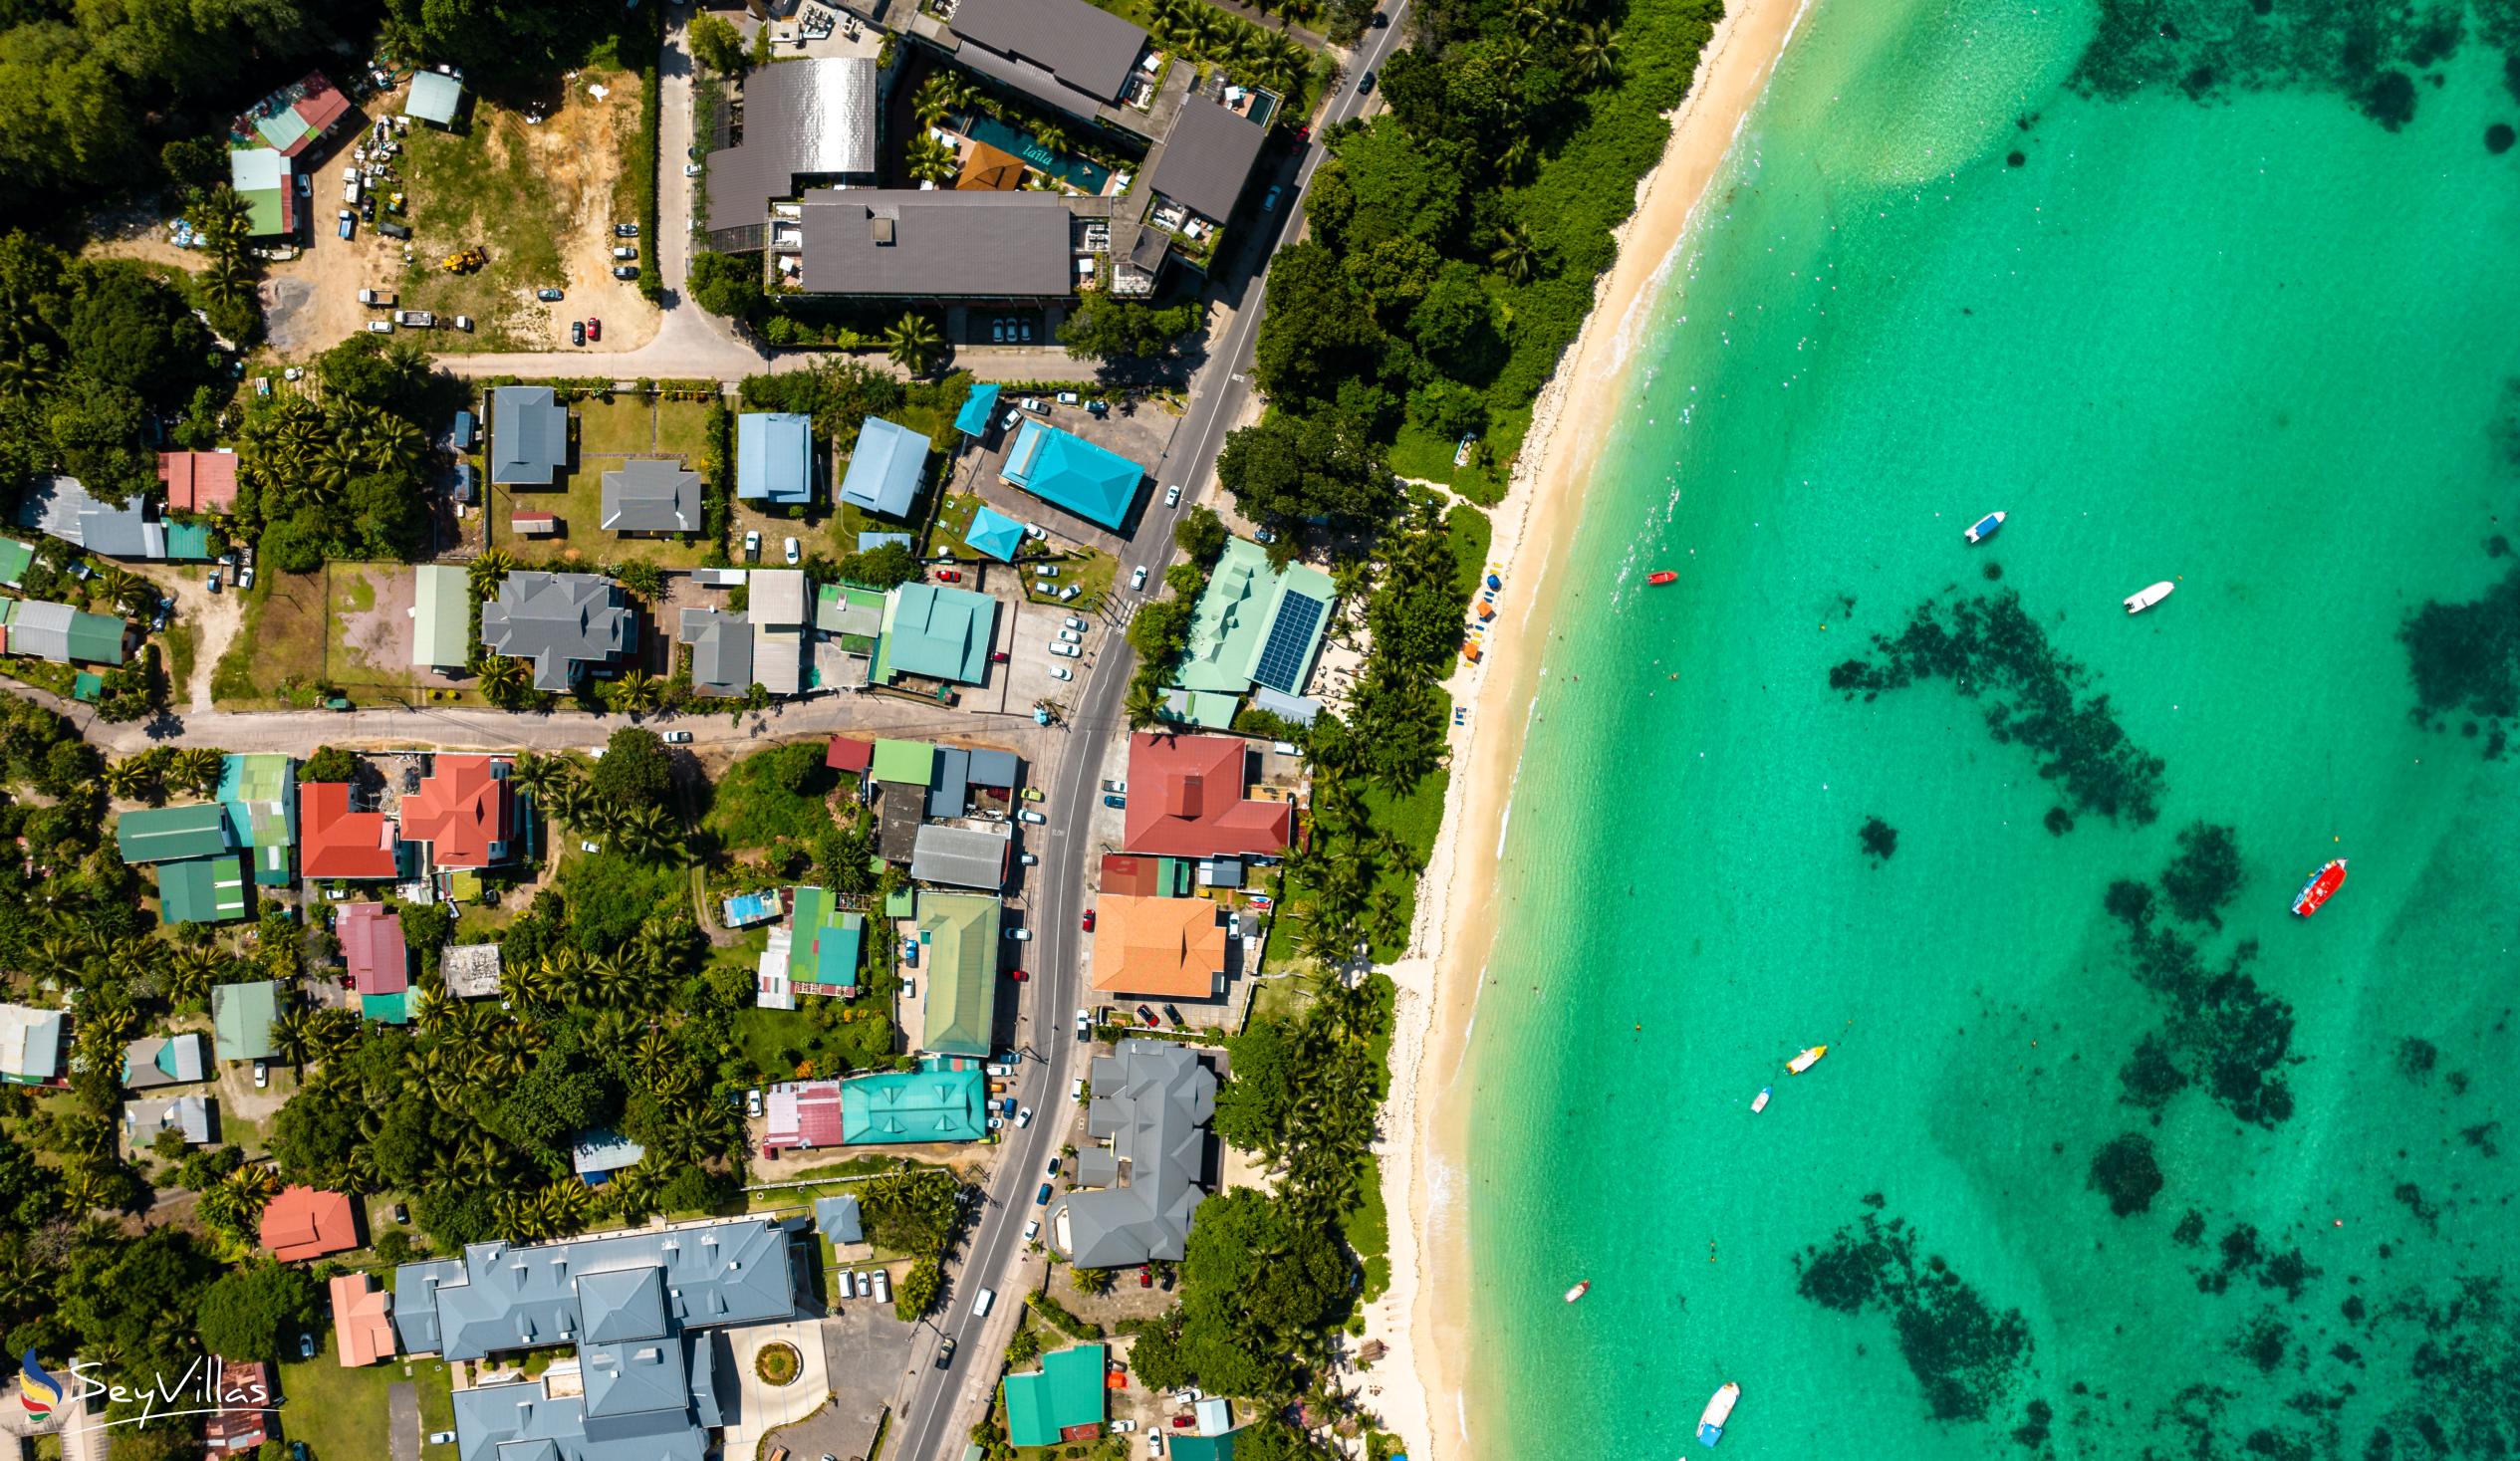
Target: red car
1145 1278
1184 1422
997 656
594 328
949 575
1018 975
1088 920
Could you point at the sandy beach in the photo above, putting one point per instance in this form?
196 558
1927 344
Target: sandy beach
1423 1318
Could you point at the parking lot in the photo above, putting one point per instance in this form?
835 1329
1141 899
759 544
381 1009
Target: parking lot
1031 670
1137 431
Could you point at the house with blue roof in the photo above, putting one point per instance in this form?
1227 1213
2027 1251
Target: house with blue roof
937 631
1068 472
774 457
994 532
977 408
886 468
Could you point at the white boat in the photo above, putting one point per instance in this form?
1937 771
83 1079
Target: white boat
1806 1059
1710 1421
2139 602
1760 1102
1578 1290
1984 528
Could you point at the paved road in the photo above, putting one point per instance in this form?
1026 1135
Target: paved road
943 1405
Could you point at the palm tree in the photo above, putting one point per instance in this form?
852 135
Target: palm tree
572 803
505 675
635 691
119 586
196 769
132 777
1595 52
938 98
932 160
335 465
27 371
649 833
914 343
293 1036
189 972
535 776
392 443
1053 136
1143 706
1517 252
488 572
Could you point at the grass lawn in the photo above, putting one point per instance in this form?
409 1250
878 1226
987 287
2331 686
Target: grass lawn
625 425
1418 454
1368 1229
1471 532
580 542
180 641
771 795
343 1414
682 430
278 653
782 1045
953 520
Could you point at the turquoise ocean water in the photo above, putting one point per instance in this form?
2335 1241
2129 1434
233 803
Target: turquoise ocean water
2257 343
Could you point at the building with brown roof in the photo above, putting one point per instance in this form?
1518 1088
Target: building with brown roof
1188 798
465 810
1172 948
248 1401
198 481
309 1222
363 1324
336 842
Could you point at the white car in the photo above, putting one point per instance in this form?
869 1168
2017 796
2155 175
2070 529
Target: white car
1173 495
1031 815
1085 1027
677 738
1062 672
262 1073
1020 935
1075 623
587 846
1138 577
1069 637
1032 1229
752 547
1067 398
752 1101
441 1438
1036 531
1027 858
1070 592
1024 1117
625 251
792 550
1045 571
1069 651
1033 403
1076 1092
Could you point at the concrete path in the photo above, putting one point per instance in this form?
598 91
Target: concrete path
403 1420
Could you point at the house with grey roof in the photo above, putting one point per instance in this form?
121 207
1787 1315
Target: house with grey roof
721 652
30 1045
190 1116
949 782
1064 53
886 468
1207 157
60 633
65 508
961 856
166 1059
652 495
1151 1103
808 123
636 1308
529 436
560 622
896 243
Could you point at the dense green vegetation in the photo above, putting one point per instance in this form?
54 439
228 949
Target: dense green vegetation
1455 240
340 476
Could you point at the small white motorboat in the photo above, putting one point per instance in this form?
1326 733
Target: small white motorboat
1578 1290
2139 602
1984 528
1806 1059
1759 1102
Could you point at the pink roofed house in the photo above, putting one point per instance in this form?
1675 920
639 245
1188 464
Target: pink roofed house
335 842
1187 799
373 947
465 812
802 1113
363 1326
198 481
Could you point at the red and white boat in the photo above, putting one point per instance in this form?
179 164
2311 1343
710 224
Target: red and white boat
1578 1290
2315 893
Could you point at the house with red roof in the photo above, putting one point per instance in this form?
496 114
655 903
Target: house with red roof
309 1222
336 842
198 481
371 945
848 753
802 1113
248 1401
1189 797
363 1321
465 810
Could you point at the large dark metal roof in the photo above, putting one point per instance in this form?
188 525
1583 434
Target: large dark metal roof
1207 158
811 119
1087 48
939 244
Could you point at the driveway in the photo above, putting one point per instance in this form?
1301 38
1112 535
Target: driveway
764 1408
403 1420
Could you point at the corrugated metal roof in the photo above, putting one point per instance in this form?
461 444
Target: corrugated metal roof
885 468
1088 48
812 118
1207 157
896 242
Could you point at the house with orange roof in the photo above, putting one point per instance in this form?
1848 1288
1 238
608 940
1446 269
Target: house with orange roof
198 481
309 1222
336 842
363 1324
465 810
1189 797
1169 949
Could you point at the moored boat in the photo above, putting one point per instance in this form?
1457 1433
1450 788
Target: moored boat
2145 597
2321 886
1759 1102
1578 1290
1710 1421
1806 1059
1660 575
1984 528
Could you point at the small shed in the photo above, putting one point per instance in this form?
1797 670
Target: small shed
434 97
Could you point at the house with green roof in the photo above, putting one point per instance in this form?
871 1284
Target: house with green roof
822 944
59 633
1188 1447
958 938
172 834
1061 1401
262 179
1067 471
15 559
259 795
1256 623
201 891
903 763
915 1105
940 633
240 1020
441 617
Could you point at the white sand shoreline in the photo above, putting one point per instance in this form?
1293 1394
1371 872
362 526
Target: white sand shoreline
1417 1388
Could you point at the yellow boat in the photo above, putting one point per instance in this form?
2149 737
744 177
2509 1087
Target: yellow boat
1806 1059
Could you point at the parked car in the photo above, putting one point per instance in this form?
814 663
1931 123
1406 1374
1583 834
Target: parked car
1029 858
1032 1230
998 657
1069 397
625 230
1116 801
262 1073
1085 1027
376 298
1041 1198
1072 621
1027 327
625 271
1149 1017
752 547
1070 651
212 584
883 1285
1024 1117
1174 1015
441 1438
346 224
693 169
1266 535
677 738
417 318
1062 672
949 575
549 296
1020 935
1018 975
997 330
627 251
1070 592
1087 923
380 326
792 550
306 1346
1154 1443
1269 200
1077 1091
1145 1278
576 331
865 1283
1123 1427
594 328
752 1101
1036 531
464 322
1013 414
1069 637
1138 577
1173 495
1045 571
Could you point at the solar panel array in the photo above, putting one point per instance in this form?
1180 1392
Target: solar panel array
1282 659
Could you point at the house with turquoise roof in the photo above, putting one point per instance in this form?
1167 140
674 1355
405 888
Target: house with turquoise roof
931 1104
258 796
1061 1401
1068 472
